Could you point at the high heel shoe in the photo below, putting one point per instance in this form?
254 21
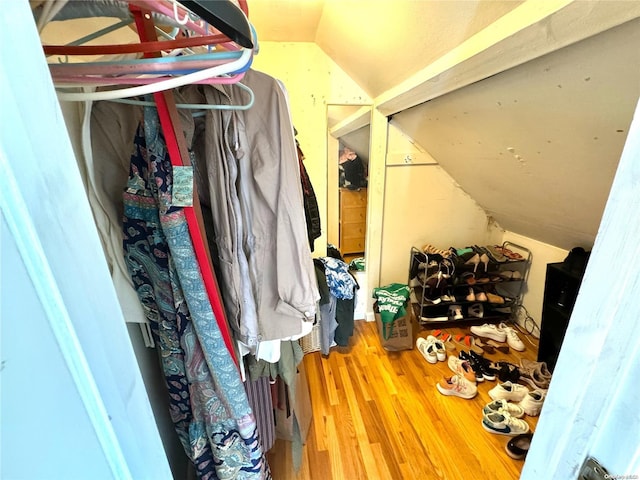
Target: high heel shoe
501 347
484 346
481 296
475 261
484 258
471 297
467 342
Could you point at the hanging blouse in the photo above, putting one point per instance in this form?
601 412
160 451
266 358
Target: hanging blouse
208 402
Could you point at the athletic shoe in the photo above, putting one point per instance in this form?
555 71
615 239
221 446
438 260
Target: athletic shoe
427 349
504 424
508 372
457 386
461 367
532 402
441 352
489 330
518 446
513 340
534 377
499 406
508 391
535 374
477 370
488 373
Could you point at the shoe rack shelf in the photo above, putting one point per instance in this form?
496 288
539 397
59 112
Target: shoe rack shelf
479 285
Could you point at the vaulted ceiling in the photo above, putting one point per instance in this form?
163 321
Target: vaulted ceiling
379 43
535 139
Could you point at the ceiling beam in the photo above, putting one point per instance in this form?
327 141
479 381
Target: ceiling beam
353 122
527 32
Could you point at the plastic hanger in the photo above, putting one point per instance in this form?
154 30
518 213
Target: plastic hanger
162 65
71 81
134 47
119 72
99 33
224 16
163 84
224 13
161 10
197 106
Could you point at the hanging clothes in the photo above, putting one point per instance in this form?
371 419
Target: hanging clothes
341 282
261 401
337 303
209 405
311 210
249 177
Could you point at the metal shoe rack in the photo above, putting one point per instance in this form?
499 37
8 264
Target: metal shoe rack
440 287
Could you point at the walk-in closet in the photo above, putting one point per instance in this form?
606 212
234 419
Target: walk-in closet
303 240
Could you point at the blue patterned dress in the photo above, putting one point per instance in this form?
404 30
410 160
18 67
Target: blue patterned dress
208 403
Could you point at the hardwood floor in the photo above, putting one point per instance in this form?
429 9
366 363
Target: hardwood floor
378 415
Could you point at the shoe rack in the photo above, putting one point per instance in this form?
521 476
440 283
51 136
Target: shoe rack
470 285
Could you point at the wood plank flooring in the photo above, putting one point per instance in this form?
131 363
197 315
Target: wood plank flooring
377 415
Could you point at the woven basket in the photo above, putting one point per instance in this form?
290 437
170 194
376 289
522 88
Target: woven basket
311 343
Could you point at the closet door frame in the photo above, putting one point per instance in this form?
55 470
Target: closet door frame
45 209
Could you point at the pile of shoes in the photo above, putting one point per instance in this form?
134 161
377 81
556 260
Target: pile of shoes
520 389
510 402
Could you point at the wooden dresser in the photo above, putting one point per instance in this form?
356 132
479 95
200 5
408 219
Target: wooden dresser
353 220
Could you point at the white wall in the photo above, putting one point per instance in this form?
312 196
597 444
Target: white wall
423 204
38 398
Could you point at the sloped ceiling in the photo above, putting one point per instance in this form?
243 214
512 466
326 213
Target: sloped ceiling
537 146
379 43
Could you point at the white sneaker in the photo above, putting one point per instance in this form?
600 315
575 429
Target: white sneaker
489 330
441 352
427 349
501 406
457 386
532 402
504 424
461 367
513 340
508 391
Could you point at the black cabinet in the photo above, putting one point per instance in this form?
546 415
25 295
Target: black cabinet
560 292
